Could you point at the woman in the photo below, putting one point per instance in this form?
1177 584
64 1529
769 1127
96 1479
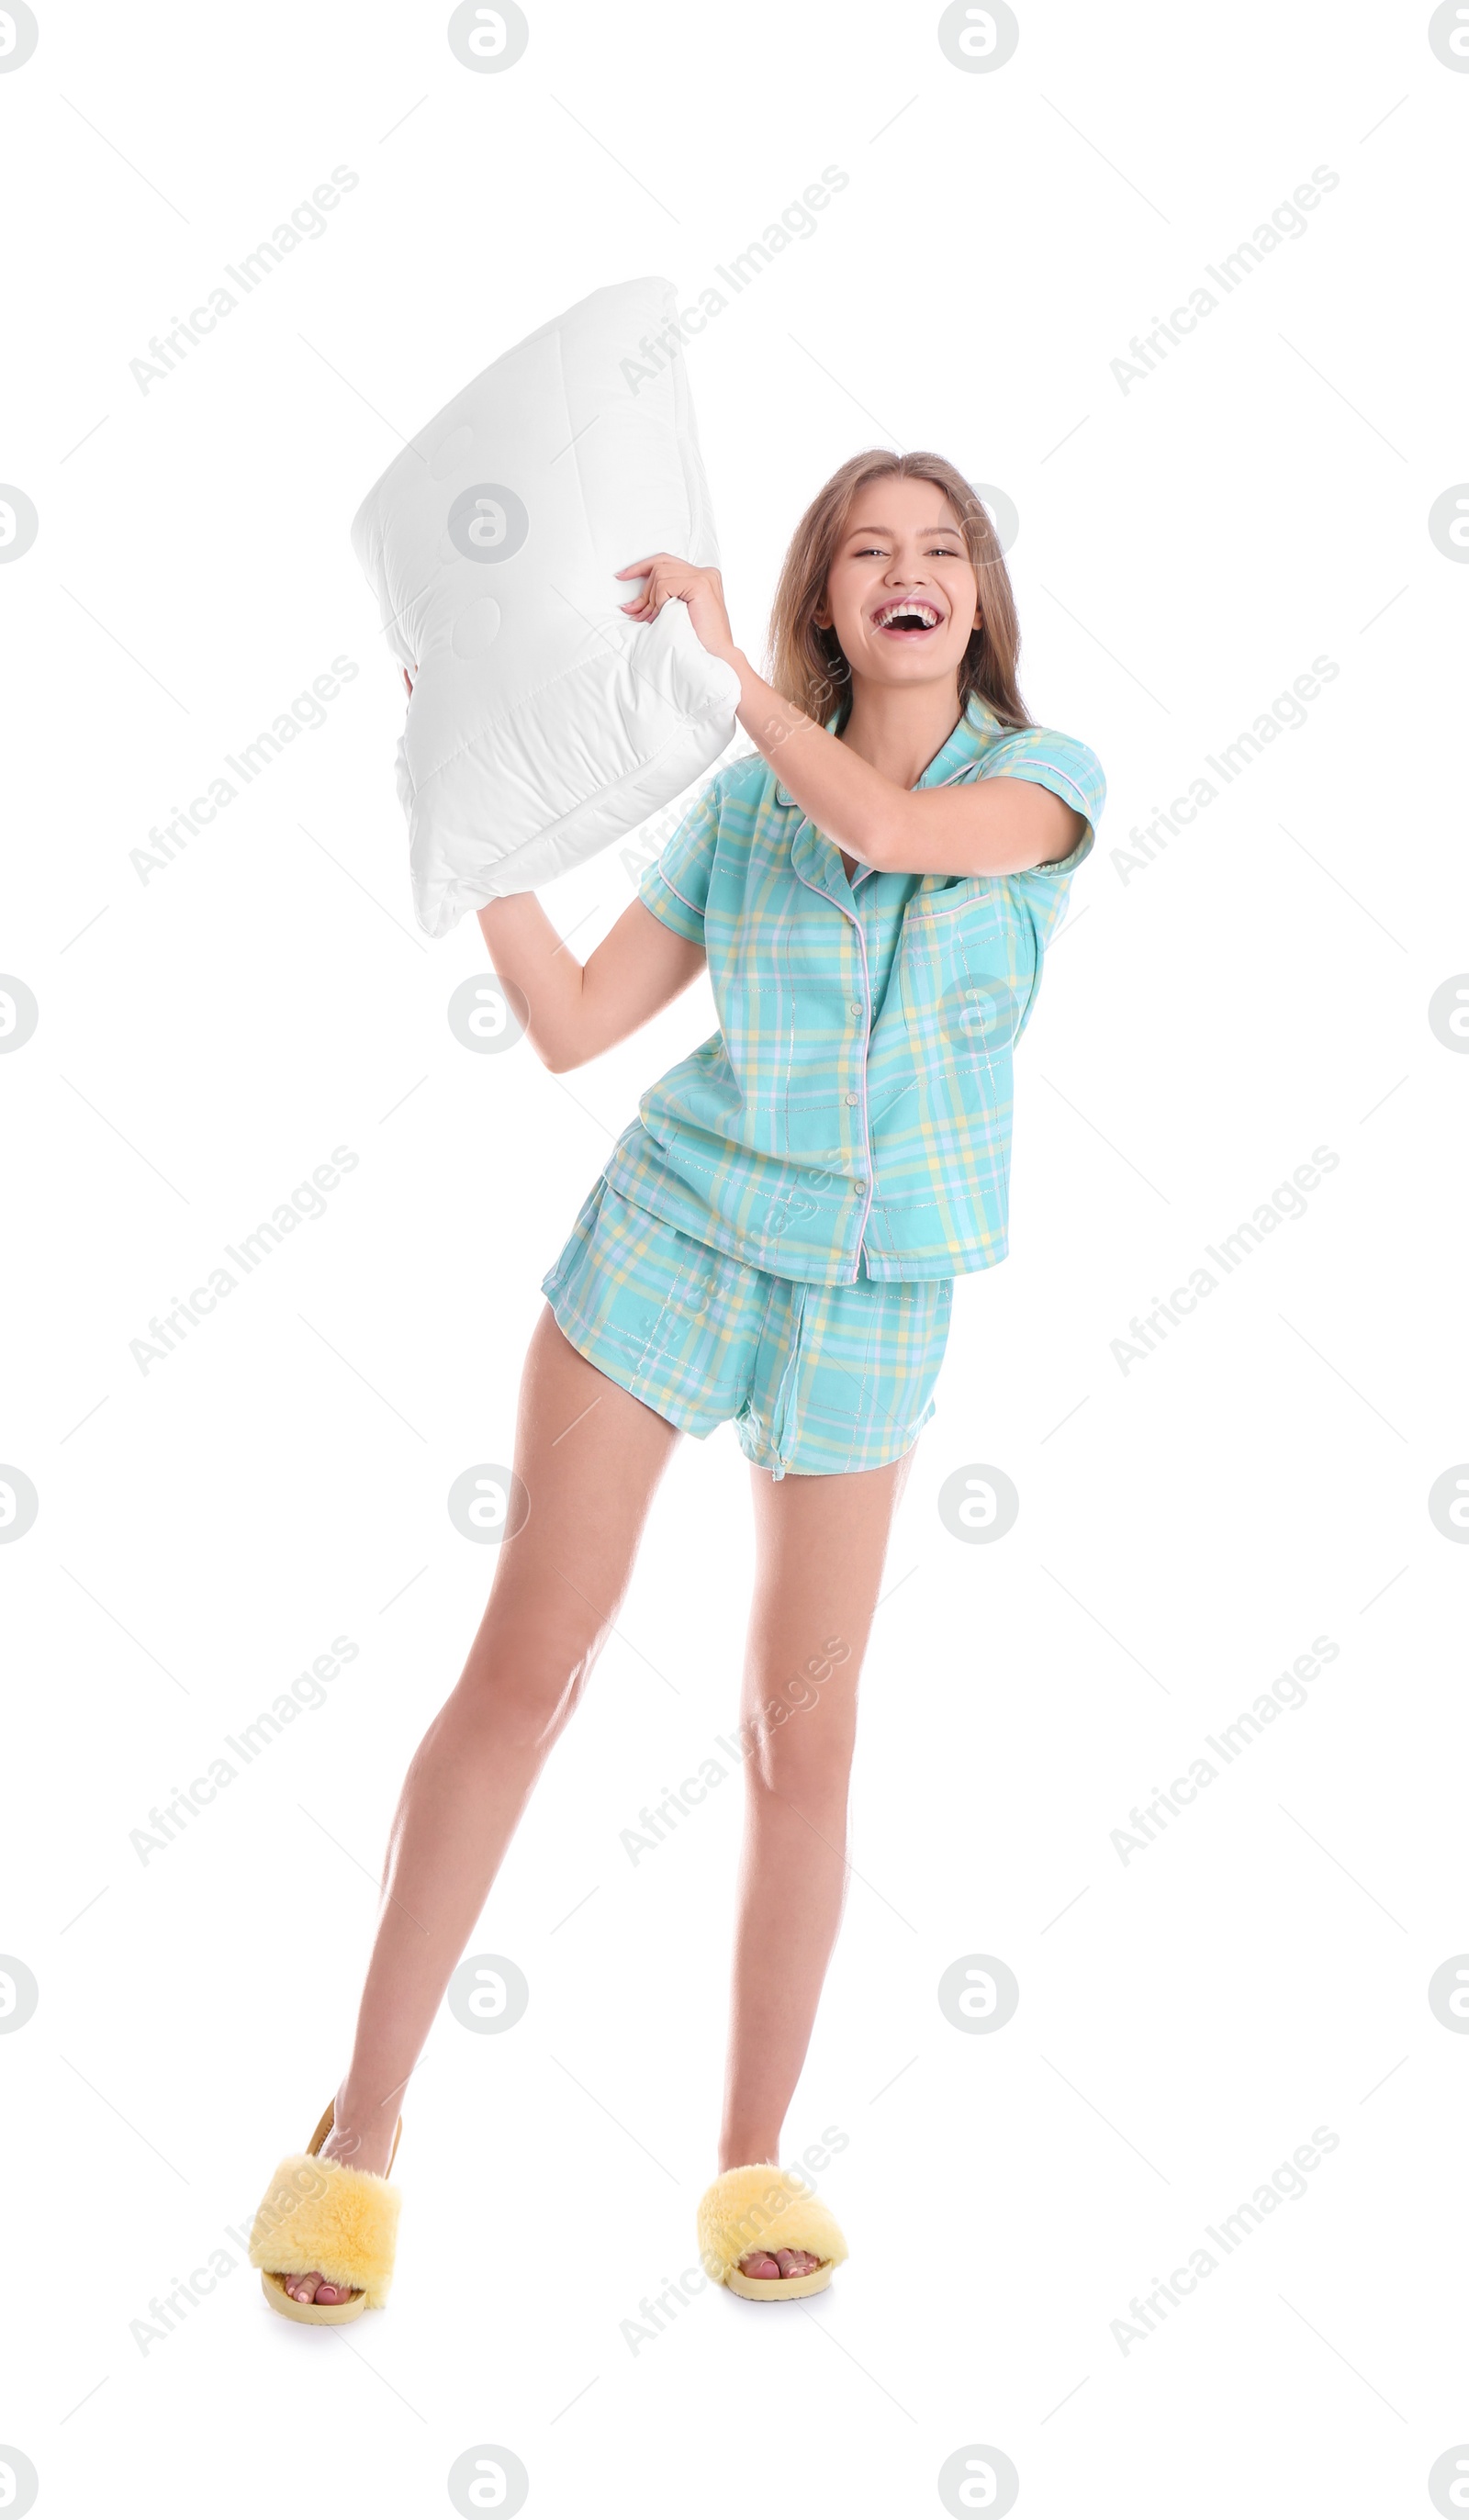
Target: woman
774 1241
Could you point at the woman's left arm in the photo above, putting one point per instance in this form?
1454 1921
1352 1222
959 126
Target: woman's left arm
984 827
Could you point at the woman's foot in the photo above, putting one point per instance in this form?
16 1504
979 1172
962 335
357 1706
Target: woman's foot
765 2265
315 2288
371 2149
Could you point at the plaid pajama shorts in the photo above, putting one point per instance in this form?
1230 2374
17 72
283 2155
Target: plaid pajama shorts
815 1378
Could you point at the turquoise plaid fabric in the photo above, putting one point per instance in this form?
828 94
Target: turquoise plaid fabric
815 1378
852 1113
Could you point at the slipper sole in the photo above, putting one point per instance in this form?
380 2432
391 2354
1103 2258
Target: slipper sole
778 2288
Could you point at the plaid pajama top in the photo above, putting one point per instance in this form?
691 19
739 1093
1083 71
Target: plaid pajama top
852 1113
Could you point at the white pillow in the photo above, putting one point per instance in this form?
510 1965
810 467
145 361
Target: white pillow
543 723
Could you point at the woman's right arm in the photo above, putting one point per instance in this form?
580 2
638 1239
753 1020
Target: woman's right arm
577 1011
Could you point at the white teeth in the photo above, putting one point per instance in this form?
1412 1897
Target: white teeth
925 612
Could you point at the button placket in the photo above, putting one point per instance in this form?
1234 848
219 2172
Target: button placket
860 1007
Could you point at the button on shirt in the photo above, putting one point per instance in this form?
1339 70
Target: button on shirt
852 1113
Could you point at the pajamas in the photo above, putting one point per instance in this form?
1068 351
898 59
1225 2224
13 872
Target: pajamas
815 1378
776 1236
852 1116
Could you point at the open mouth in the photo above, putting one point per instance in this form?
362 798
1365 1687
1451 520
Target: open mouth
907 618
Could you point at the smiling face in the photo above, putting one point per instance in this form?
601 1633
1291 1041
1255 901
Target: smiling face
902 595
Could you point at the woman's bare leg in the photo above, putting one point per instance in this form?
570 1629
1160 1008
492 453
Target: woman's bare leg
820 1545
590 1457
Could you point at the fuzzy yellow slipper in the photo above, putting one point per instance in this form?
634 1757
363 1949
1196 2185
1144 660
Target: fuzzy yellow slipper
763 2207
326 2214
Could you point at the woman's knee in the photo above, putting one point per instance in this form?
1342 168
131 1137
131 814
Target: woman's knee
528 1683
803 1748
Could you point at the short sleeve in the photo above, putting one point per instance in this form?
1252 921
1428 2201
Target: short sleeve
676 887
1071 772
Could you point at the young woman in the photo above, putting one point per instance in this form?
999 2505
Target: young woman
773 1242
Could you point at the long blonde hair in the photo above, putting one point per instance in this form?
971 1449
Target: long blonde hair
806 663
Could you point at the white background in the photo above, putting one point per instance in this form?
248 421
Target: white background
1187 1527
